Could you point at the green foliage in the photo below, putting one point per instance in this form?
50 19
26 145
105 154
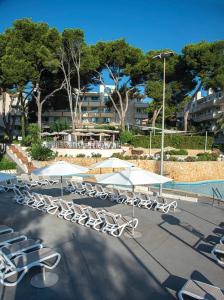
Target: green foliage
40 152
206 61
126 137
6 164
191 159
33 136
59 126
176 141
205 156
96 155
81 155
177 152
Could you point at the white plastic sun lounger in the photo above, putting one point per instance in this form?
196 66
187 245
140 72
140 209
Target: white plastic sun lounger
12 271
11 237
65 208
116 224
95 218
100 192
200 291
166 205
79 188
218 253
79 214
90 190
51 205
144 201
18 248
18 196
5 229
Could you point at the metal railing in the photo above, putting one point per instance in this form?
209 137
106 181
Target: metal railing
217 196
83 145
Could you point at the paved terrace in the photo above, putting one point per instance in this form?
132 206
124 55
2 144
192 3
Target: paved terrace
96 266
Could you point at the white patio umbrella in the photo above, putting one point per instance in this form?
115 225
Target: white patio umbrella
6 176
113 163
131 177
60 169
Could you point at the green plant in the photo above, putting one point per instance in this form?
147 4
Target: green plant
172 159
126 137
6 164
177 152
191 159
33 136
207 156
172 140
81 155
40 152
59 126
96 155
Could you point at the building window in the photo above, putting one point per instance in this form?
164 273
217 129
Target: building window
95 98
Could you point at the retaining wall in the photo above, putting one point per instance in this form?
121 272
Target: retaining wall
179 171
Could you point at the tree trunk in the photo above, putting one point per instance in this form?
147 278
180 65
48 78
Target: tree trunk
39 117
23 125
122 122
154 117
186 114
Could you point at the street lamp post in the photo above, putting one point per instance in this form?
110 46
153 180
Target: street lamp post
163 56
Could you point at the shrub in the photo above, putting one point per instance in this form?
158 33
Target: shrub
191 159
207 156
172 158
6 164
81 155
177 152
173 140
40 152
126 137
96 155
59 126
33 136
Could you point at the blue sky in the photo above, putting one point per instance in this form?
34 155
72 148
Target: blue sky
146 24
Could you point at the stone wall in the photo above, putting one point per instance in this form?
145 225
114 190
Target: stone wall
179 171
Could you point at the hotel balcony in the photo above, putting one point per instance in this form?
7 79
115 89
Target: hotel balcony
142 115
216 101
97 115
141 104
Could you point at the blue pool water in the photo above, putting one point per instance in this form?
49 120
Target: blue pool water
200 187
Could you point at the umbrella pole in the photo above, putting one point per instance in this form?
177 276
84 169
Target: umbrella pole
61 187
133 213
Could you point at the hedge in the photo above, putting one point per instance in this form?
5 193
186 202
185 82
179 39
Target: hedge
7 165
176 141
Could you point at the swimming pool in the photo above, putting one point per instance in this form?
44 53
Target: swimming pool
200 187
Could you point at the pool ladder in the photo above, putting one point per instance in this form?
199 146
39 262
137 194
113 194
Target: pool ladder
217 196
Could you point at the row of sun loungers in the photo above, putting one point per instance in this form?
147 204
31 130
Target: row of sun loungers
26 182
122 196
98 219
218 251
19 254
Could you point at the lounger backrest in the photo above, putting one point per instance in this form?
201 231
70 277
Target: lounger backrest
92 213
143 196
79 185
99 188
115 192
89 187
110 218
130 194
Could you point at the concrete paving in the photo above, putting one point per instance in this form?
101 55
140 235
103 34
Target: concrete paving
173 248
